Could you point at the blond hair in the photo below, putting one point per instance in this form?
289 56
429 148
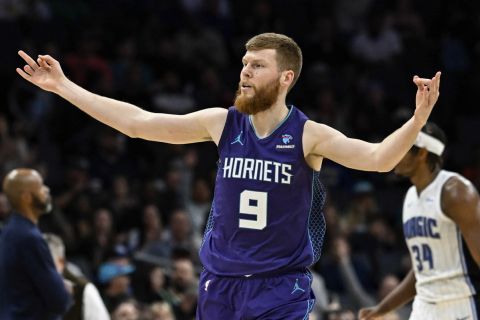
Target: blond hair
289 54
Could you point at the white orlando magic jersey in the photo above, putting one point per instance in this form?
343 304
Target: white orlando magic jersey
439 256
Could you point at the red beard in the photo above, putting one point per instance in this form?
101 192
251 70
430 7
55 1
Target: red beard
262 99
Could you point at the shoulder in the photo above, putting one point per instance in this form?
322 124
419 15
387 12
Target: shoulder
219 111
315 133
411 191
32 241
20 232
213 120
213 114
311 126
458 192
317 130
457 188
23 243
313 130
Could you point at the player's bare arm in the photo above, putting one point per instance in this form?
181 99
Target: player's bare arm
461 202
402 294
322 141
204 125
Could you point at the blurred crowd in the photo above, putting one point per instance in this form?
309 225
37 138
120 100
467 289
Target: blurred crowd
131 213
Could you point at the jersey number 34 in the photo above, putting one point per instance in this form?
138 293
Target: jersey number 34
423 256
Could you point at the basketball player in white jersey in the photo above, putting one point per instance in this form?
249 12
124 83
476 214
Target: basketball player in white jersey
441 223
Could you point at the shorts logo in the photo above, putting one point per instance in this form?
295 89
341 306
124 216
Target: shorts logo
207 284
296 288
286 139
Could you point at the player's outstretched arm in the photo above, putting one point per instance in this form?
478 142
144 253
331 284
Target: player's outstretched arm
205 125
321 140
394 300
461 202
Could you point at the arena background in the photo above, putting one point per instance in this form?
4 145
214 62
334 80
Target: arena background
129 201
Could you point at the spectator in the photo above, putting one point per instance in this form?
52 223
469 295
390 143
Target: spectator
115 278
158 290
178 236
161 311
377 43
4 210
87 304
198 208
357 294
149 234
31 285
127 310
184 289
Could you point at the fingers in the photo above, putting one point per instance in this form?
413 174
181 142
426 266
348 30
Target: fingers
433 92
42 63
422 83
28 70
416 81
28 60
23 74
436 82
48 59
429 84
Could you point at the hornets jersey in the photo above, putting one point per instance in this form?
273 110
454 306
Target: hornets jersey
267 210
441 261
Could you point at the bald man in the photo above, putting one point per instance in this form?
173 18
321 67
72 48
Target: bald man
31 287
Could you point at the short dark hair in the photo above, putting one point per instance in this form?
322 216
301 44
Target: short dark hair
435 131
289 54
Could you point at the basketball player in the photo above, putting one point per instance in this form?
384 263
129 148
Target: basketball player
266 226
441 223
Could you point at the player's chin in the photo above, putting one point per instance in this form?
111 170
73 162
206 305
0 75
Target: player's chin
247 95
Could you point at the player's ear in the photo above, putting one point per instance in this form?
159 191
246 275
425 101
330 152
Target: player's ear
423 154
26 197
287 77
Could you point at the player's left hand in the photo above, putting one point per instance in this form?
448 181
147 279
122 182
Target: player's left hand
427 96
369 314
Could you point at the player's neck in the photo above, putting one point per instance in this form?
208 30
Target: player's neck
28 214
423 178
266 121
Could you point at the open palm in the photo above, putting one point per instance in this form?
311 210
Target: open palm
45 73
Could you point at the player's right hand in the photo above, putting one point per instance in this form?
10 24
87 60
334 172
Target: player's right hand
369 314
45 73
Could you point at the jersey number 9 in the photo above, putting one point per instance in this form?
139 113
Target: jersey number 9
253 203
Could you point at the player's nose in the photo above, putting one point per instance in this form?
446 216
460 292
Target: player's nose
246 72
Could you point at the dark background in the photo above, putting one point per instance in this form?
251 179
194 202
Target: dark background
181 56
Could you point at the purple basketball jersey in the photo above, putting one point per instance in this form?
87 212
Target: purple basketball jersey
267 209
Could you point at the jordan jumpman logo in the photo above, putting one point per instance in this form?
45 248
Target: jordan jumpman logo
296 288
238 139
